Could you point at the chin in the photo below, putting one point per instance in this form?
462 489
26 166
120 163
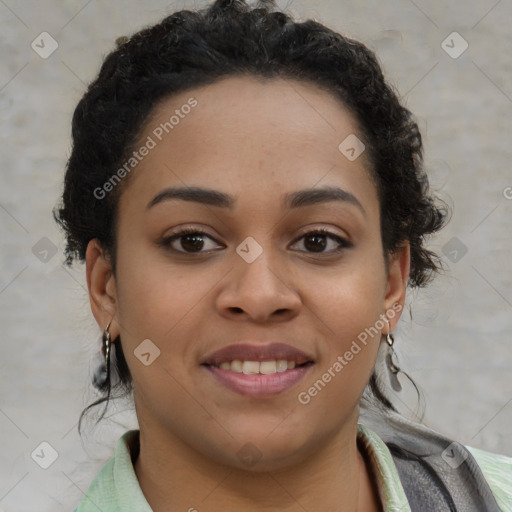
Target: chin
267 449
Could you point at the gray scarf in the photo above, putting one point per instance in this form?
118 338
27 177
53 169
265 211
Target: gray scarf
431 484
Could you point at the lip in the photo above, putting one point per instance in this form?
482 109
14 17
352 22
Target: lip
257 352
258 385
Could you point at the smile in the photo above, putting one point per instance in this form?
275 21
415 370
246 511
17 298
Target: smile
260 371
254 367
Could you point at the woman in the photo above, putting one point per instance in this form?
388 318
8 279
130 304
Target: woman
248 196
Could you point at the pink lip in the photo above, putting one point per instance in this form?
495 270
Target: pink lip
257 352
259 386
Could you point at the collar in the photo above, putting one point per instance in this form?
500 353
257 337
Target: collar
116 488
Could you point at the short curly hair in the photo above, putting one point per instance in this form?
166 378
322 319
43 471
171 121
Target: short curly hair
189 49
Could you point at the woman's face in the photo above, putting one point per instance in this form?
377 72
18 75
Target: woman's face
213 323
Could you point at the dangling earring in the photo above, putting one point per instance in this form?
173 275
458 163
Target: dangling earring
101 377
393 369
107 343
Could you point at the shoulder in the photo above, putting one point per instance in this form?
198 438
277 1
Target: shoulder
432 466
116 488
497 470
99 490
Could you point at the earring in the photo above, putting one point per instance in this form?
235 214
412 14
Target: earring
101 376
107 343
393 369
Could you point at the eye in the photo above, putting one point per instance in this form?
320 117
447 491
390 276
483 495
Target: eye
190 241
318 240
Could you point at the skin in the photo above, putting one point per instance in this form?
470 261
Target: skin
256 140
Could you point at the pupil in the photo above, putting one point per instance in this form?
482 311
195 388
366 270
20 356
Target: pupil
318 243
192 243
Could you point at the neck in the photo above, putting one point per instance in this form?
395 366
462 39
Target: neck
173 476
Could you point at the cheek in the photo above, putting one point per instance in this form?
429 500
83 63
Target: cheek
348 323
163 304
354 309
155 296
352 298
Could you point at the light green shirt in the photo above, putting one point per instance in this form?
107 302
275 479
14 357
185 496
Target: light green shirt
116 488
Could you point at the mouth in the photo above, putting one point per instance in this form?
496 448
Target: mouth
258 370
260 367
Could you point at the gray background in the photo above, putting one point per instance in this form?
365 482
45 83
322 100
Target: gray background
457 344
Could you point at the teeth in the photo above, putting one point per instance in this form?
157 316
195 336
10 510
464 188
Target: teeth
268 367
250 367
282 365
256 367
236 366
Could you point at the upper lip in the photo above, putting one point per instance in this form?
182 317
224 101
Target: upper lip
257 352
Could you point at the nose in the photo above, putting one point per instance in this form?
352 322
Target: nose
260 292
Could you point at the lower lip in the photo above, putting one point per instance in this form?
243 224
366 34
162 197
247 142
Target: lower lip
258 385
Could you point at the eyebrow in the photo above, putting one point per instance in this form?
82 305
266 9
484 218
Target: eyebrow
194 194
313 196
292 200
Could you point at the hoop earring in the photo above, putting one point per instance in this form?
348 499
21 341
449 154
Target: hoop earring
393 369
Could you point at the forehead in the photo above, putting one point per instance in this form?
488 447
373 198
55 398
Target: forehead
246 134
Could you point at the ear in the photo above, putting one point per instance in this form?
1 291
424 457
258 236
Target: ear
399 267
102 287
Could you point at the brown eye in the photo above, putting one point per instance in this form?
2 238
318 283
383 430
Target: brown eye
190 241
317 241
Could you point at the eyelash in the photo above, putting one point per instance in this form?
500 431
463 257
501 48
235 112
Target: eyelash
166 242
